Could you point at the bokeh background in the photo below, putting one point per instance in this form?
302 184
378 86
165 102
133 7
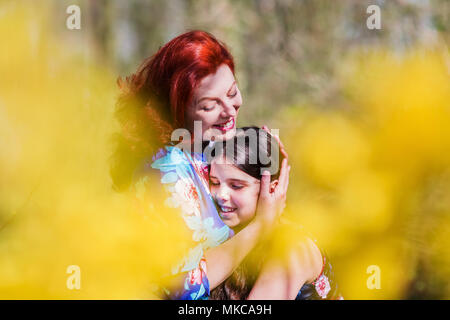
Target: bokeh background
364 115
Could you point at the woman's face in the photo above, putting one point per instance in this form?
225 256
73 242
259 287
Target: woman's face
235 192
215 103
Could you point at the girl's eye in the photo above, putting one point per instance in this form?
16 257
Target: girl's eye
236 187
233 94
213 183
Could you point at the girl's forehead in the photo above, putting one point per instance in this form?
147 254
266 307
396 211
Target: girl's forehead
226 170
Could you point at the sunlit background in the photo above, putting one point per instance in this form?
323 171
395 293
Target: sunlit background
364 115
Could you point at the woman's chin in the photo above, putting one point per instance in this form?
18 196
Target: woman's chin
218 135
229 134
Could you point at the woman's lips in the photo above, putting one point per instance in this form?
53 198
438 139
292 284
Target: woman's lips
225 126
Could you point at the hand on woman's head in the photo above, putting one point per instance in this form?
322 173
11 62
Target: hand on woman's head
277 138
272 203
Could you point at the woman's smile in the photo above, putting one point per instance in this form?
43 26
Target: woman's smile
225 126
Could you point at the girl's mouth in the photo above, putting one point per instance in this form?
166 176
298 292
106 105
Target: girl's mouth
225 211
226 126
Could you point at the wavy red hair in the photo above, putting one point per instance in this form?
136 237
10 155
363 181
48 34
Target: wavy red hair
153 101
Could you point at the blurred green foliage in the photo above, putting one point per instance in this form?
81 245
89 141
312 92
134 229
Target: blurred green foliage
287 52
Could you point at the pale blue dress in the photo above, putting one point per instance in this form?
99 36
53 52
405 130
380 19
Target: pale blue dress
184 177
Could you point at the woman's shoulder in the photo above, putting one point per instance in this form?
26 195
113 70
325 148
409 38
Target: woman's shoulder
169 157
165 159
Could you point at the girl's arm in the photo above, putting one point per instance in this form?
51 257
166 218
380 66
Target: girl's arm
223 259
220 262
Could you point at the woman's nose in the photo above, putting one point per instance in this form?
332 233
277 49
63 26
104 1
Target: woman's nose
229 109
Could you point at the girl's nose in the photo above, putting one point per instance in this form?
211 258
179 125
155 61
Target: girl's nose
222 195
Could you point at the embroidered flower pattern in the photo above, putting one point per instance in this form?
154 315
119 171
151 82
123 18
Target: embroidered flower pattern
322 286
196 275
186 196
205 172
202 168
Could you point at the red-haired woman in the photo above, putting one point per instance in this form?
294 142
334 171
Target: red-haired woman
191 78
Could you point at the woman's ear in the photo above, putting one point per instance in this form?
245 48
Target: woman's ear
273 185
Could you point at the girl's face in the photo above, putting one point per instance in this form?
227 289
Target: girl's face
215 103
235 192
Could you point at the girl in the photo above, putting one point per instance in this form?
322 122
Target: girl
189 79
300 271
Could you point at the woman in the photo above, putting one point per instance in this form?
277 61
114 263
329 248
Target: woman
296 268
189 79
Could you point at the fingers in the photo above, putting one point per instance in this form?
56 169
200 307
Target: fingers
286 184
265 184
282 149
283 186
284 174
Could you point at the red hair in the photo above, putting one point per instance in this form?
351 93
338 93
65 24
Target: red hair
153 101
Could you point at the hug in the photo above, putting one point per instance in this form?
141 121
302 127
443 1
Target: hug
231 196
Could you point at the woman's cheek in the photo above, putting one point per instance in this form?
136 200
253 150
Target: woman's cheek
208 120
238 99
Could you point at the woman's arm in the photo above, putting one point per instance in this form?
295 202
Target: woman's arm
223 259
220 261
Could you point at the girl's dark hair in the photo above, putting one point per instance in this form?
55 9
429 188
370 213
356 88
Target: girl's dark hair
252 150
241 281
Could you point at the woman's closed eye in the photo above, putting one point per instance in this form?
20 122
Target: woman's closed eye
232 95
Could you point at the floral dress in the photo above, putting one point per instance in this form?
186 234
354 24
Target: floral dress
185 179
324 287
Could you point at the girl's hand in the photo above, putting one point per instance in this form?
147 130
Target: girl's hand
282 150
272 203
279 194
